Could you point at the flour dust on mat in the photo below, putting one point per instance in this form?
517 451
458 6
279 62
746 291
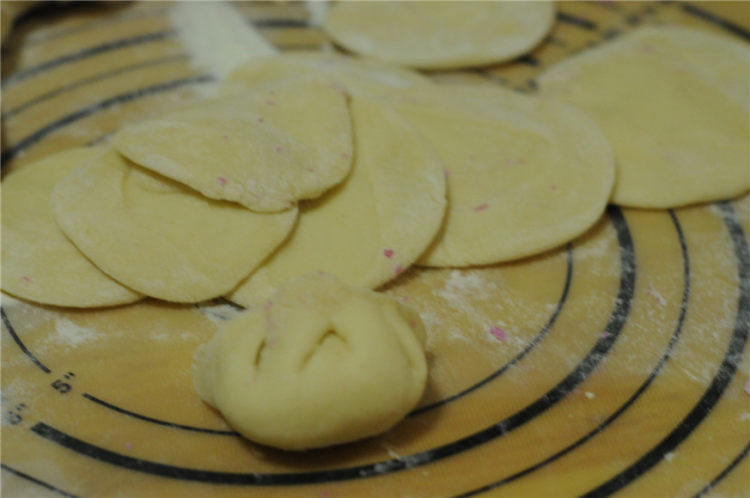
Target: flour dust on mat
217 37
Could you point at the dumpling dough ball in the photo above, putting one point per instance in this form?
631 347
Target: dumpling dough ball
39 262
440 35
319 363
674 103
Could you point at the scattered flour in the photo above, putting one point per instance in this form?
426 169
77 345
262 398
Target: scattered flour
217 37
318 10
462 289
9 302
655 295
391 452
461 286
70 334
218 312
160 336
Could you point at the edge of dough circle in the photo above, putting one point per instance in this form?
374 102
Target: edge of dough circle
374 225
39 262
159 237
673 102
524 174
440 35
265 148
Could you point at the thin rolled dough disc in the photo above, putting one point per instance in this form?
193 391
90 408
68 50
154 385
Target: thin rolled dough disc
159 237
264 149
357 73
674 103
370 228
524 174
440 35
39 262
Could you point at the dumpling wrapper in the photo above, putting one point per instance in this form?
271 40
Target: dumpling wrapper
39 262
353 73
159 237
674 103
440 35
373 226
264 149
524 174
318 364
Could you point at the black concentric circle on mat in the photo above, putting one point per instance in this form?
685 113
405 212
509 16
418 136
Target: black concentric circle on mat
590 362
659 365
535 341
630 472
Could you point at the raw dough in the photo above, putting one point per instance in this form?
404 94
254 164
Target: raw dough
39 262
524 174
264 149
159 237
373 226
439 35
354 73
674 103
320 363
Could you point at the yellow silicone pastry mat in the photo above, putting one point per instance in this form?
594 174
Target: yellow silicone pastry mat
618 363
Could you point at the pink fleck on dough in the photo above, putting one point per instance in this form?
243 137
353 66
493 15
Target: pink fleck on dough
388 253
481 207
657 297
499 334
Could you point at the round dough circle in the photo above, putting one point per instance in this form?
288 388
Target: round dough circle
159 237
320 363
375 224
39 262
524 174
440 35
264 149
674 103
353 73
